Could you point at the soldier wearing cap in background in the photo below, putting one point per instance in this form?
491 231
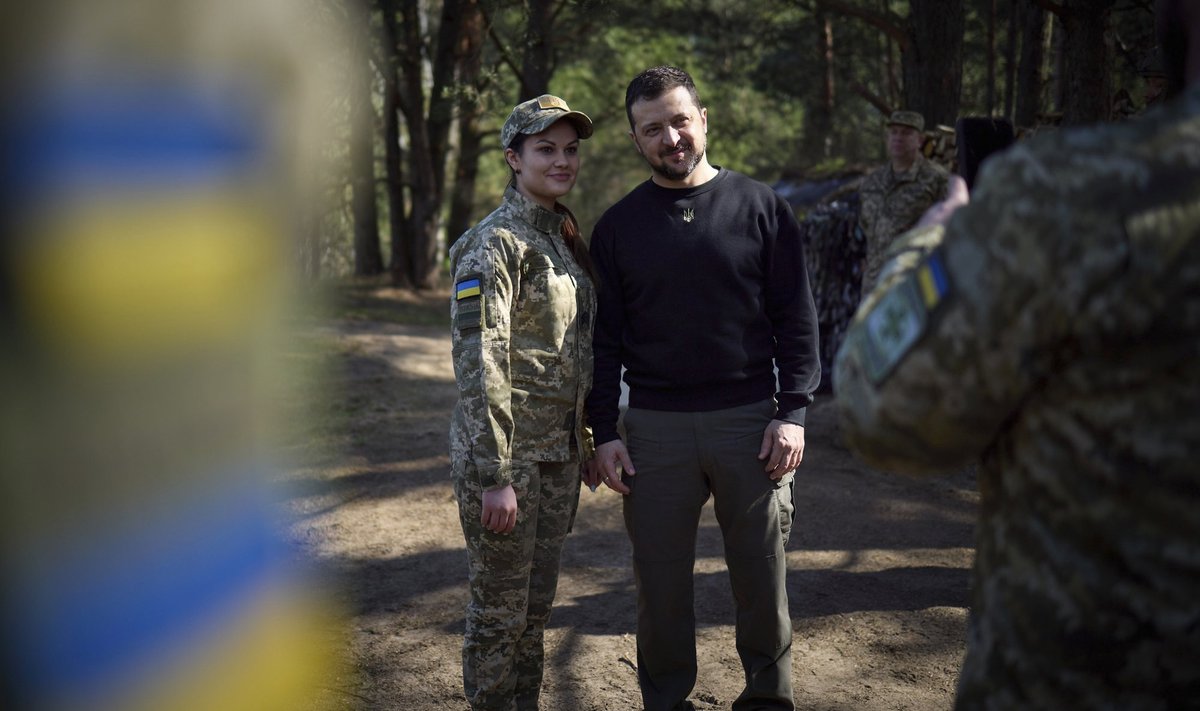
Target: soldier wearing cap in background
894 197
522 314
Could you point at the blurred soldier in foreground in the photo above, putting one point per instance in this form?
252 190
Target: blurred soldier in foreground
894 196
156 160
1051 327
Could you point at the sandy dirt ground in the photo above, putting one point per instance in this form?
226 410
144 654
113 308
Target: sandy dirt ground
878 562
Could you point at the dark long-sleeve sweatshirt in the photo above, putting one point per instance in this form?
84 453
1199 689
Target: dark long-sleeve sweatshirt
703 291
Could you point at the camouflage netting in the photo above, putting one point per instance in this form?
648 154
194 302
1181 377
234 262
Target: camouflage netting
835 250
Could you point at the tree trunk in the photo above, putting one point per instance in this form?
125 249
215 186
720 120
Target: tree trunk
399 267
1054 49
446 59
424 198
890 88
462 191
932 61
1010 59
818 130
1087 93
368 257
466 175
1032 22
991 58
423 216
537 62
309 254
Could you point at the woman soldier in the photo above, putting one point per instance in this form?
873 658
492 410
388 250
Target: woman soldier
522 314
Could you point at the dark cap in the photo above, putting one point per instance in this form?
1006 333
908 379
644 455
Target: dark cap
536 115
912 119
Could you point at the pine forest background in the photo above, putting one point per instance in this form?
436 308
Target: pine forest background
795 90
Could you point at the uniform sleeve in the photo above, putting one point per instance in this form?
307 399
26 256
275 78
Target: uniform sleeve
603 402
484 285
793 317
967 321
868 197
941 185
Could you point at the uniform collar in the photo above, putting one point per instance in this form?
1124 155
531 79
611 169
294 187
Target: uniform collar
909 174
539 217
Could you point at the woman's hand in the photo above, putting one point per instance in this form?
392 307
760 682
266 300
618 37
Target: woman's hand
499 510
591 474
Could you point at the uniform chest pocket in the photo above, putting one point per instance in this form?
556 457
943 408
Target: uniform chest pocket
545 285
545 309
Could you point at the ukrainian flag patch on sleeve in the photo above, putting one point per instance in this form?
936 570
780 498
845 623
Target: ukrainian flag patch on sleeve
931 276
901 317
468 303
467 288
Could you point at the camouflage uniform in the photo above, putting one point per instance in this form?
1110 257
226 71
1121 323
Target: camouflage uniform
892 203
522 317
1053 329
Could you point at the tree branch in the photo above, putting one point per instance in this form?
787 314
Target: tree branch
874 99
505 55
554 13
889 23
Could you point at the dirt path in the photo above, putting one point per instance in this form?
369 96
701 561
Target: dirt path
879 563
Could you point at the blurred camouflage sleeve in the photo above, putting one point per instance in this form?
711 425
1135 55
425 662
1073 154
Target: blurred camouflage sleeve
968 319
480 312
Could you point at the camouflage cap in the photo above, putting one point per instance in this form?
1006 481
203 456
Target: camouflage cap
536 115
912 119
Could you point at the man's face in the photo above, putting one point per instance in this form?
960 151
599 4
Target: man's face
670 133
903 142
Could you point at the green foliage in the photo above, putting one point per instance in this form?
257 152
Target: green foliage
750 130
758 71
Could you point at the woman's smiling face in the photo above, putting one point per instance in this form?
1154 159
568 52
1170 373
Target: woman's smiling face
547 163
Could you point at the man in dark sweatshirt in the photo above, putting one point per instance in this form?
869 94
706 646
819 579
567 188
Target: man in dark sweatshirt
703 295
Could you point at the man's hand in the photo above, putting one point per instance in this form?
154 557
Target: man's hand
499 510
613 458
782 447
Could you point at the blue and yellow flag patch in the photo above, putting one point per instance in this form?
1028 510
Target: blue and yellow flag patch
468 303
931 277
467 288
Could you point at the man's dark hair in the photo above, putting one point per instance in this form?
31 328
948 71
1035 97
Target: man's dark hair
653 83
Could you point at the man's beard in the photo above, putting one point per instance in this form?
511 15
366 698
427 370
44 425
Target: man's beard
678 174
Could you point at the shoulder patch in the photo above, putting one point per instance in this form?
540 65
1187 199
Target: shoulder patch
931 276
468 286
901 316
468 303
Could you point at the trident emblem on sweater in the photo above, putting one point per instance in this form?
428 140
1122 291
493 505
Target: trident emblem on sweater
688 214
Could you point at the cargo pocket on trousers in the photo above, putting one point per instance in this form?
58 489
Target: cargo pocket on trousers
785 500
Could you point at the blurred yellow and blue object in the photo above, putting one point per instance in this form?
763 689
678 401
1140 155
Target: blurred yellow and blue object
152 169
